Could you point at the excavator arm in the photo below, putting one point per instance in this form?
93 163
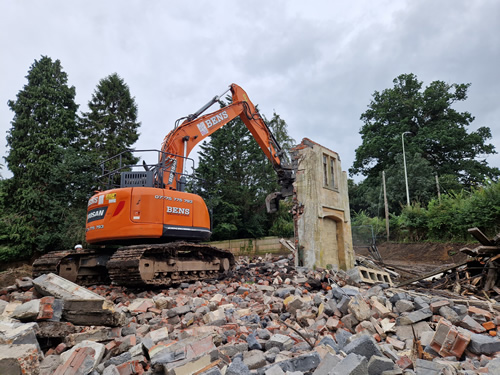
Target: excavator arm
178 144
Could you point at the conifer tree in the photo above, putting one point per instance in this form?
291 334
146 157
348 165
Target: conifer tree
110 126
47 168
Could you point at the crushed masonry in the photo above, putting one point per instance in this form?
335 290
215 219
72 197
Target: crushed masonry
270 317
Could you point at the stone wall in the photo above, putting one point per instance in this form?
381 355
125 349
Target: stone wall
321 208
252 246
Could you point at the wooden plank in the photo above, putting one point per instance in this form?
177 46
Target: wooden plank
435 272
480 236
487 250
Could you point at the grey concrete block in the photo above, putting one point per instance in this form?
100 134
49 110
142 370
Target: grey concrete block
49 364
88 312
406 332
274 370
399 296
449 314
329 361
54 285
232 349
237 367
468 323
28 311
330 342
414 317
421 302
363 345
389 352
252 342
349 321
494 366
304 363
254 359
18 334
404 305
353 364
377 365
362 274
342 337
481 344
423 367
358 306
343 304
282 342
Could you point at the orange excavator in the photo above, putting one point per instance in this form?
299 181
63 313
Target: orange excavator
149 211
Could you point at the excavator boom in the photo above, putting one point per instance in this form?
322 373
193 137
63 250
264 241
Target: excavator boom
183 138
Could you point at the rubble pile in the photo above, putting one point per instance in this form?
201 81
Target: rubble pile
270 318
478 275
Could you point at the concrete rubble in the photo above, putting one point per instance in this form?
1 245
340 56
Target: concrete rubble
269 318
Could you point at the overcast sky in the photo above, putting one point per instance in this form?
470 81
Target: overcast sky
314 63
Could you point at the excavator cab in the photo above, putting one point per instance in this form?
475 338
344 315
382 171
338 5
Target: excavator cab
136 206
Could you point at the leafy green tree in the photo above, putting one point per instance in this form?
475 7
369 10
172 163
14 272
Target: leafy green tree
46 165
234 177
434 129
421 181
110 126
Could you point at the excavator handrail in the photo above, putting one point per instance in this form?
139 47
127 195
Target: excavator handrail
158 169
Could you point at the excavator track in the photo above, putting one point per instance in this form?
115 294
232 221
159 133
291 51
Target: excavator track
49 263
84 267
167 264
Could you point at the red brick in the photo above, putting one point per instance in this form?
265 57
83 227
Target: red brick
127 342
404 363
154 310
130 368
489 325
111 345
75 361
397 344
45 312
442 330
447 341
60 348
477 311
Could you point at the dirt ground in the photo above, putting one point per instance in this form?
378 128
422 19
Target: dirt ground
415 259
9 275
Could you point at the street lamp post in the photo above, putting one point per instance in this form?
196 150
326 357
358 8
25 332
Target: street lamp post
406 174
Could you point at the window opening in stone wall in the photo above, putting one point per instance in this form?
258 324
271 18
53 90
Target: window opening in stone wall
332 173
329 171
325 170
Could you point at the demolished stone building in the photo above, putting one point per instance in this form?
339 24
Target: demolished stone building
321 208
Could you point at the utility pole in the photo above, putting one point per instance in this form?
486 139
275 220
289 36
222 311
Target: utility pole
386 207
406 174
